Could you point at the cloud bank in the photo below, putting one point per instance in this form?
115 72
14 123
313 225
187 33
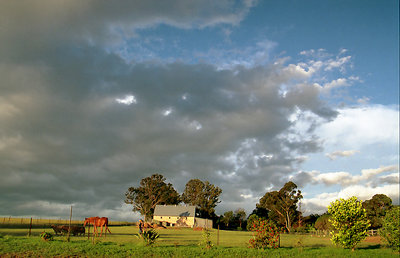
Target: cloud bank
79 124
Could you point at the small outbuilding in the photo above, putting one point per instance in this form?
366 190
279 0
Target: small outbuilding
179 216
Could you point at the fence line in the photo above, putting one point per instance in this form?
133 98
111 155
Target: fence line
326 233
39 221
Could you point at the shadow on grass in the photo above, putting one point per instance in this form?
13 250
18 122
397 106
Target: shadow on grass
6 233
317 246
377 246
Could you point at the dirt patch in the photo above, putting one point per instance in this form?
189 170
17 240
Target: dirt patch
373 239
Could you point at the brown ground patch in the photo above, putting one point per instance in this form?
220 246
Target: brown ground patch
373 239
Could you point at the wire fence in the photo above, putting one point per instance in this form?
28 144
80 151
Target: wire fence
326 233
21 222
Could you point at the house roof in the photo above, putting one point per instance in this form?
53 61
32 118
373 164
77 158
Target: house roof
175 210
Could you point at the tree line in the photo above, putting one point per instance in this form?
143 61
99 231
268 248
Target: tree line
281 207
154 191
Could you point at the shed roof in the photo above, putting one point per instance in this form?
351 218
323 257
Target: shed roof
175 210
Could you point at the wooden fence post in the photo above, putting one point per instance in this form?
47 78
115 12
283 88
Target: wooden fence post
218 235
69 226
279 240
30 228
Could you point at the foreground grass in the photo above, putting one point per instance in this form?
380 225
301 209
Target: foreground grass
175 243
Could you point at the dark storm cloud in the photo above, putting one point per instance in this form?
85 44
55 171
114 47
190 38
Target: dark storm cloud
64 139
48 22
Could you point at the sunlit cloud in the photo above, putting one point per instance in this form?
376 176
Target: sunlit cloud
336 154
127 100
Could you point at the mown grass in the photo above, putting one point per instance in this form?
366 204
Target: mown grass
175 243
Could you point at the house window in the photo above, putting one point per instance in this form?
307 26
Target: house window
161 217
169 217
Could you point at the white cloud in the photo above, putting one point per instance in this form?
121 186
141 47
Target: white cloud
338 62
127 100
341 82
356 128
346 153
320 202
321 59
364 192
299 71
341 178
167 112
368 173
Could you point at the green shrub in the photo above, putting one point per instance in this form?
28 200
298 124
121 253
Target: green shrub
266 234
250 220
149 237
390 230
46 236
349 221
206 241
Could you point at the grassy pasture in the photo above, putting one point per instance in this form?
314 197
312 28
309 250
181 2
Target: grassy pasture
176 243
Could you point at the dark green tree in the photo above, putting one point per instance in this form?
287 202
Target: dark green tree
260 212
283 203
240 216
310 220
390 230
323 222
228 218
152 191
376 209
203 195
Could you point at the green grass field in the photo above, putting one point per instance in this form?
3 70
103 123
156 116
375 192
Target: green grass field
175 243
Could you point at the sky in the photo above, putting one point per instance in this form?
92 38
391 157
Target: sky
96 95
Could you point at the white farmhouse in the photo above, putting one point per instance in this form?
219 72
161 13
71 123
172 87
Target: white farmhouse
179 216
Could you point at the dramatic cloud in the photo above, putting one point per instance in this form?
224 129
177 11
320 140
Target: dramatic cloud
83 130
47 22
80 122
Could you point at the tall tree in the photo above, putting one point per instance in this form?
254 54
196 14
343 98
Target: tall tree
228 218
240 215
283 203
260 212
203 195
376 209
152 191
323 222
